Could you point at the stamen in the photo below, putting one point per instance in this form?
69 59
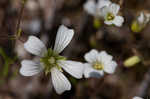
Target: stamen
98 66
110 17
50 60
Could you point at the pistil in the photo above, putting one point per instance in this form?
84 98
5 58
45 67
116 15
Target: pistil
50 60
110 17
98 66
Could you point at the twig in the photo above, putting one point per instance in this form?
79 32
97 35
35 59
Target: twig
18 30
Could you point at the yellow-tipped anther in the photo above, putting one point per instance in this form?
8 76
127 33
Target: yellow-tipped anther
131 61
51 60
98 66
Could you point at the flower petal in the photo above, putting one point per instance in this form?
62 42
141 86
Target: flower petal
35 46
137 97
90 7
89 71
147 15
108 22
102 3
118 21
30 68
91 56
110 66
103 56
60 82
141 18
104 11
73 68
114 8
63 38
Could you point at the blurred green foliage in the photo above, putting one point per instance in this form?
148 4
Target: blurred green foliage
97 23
8 61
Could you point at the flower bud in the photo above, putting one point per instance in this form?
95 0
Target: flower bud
97 23
131 61
136 27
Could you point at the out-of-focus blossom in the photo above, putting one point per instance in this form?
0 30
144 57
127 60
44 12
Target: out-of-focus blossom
137 97
19 49
143 18
50 61
98 63
93 8
32 5
140 22
33 26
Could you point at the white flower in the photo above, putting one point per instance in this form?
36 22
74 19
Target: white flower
137 97
98 63
110 15
105 9
140 22
93 8
50 60
144 18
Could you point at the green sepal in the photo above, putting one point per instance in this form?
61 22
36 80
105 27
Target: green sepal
50 60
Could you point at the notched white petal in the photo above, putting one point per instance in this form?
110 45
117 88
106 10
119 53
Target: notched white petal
91 56
30 68
102 3
103 56
104 11
75 69
60 82
63 38
114 8
89 71
118 21
35 46
110 67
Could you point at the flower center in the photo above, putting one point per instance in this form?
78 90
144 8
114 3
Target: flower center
50 60
110 17
98 66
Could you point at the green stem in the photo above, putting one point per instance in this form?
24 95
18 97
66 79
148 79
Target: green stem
18 30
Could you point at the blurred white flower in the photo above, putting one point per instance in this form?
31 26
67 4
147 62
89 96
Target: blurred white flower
19 49
137 97
93 8
32 26
144 18
141 21
32 5
110 15
98 63
50 61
